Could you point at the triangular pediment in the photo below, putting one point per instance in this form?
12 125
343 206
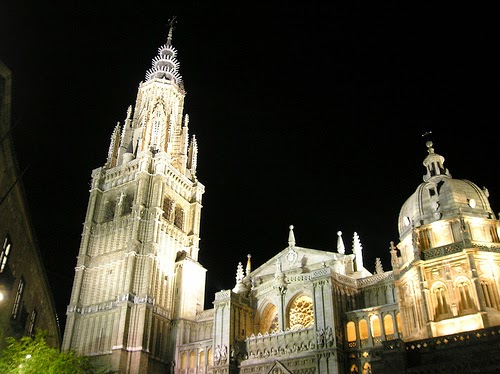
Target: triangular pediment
295 259
278 368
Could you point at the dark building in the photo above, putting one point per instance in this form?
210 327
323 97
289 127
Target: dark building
26 301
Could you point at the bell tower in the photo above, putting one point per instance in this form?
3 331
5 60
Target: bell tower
138 282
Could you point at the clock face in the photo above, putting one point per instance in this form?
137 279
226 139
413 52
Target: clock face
406 221
472 203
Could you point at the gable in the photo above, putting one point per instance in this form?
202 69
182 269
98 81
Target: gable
295 260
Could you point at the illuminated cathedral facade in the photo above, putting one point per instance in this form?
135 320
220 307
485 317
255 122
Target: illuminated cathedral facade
137 303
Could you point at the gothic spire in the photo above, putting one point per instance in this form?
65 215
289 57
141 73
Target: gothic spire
240 286
171 23
357 249
165 65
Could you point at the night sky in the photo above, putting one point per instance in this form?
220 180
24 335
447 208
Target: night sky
306 115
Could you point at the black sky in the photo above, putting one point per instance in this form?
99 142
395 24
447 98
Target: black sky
310 115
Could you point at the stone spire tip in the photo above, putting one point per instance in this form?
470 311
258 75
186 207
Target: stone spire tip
291 237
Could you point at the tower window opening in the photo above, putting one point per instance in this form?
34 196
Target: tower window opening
179 217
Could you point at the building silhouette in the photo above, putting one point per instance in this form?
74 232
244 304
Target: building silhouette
26 301
137 304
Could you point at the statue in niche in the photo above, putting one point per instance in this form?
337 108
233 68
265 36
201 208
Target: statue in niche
320 338
328 335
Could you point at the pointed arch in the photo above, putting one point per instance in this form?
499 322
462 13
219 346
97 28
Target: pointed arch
439 293
300 312
184 360
201 359
192 359
210 357
269 319
464 291
489 294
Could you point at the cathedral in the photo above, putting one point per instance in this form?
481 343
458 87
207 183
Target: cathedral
137 302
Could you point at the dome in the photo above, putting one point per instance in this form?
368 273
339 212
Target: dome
441 197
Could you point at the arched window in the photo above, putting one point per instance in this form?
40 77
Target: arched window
192 359
440 299
375 326
269 319
388 325
351 331
210 357
464 295
300 314
363 329
201 359
490 298
398 322
184 360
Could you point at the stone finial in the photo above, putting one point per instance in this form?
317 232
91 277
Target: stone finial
357 249
340 243
249 265
378 266
240 286
394 255
291 237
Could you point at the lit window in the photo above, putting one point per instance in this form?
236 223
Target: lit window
375 322
210 357
184 360
4 255
351 332
31 328
398 323
17 300
301 313
192 360
388 324
363 329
